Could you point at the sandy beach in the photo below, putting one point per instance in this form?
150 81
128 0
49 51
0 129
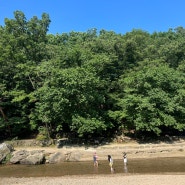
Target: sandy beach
99 180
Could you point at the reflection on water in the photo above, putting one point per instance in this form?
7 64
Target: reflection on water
125 169
140 166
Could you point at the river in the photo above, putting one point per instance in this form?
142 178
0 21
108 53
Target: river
135 166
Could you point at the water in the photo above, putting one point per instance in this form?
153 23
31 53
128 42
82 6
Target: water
135 166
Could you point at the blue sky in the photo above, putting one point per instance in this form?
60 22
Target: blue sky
120 16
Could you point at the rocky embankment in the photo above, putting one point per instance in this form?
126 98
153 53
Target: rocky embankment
30 155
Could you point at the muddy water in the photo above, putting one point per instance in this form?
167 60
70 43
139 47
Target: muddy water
140 166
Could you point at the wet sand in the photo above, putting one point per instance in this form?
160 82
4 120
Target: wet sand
99 180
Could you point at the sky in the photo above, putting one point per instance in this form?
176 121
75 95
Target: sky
120 16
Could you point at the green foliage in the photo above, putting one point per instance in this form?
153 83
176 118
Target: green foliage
87 126
68 92
89 83
7 159
149 98
43 134
22 47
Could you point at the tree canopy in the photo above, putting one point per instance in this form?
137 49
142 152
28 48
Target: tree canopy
89 83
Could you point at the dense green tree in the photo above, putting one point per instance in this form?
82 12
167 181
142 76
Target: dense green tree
22 45
150 99
72 100
89 83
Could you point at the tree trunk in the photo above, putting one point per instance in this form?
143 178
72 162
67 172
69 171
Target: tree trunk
6 120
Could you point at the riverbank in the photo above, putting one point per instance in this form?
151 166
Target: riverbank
133 149
169 179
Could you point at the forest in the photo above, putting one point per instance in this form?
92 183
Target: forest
89 84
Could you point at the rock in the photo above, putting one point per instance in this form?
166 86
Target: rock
31 142
33 158
60 157
5 149
26 157
75 156
62 142
57 157
19 156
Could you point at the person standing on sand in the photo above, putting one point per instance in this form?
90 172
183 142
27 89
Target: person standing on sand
95 159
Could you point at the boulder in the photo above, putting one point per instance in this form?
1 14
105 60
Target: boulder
28 157
57 157
5 150
19 156
35 157
60 157
62 142
74 156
